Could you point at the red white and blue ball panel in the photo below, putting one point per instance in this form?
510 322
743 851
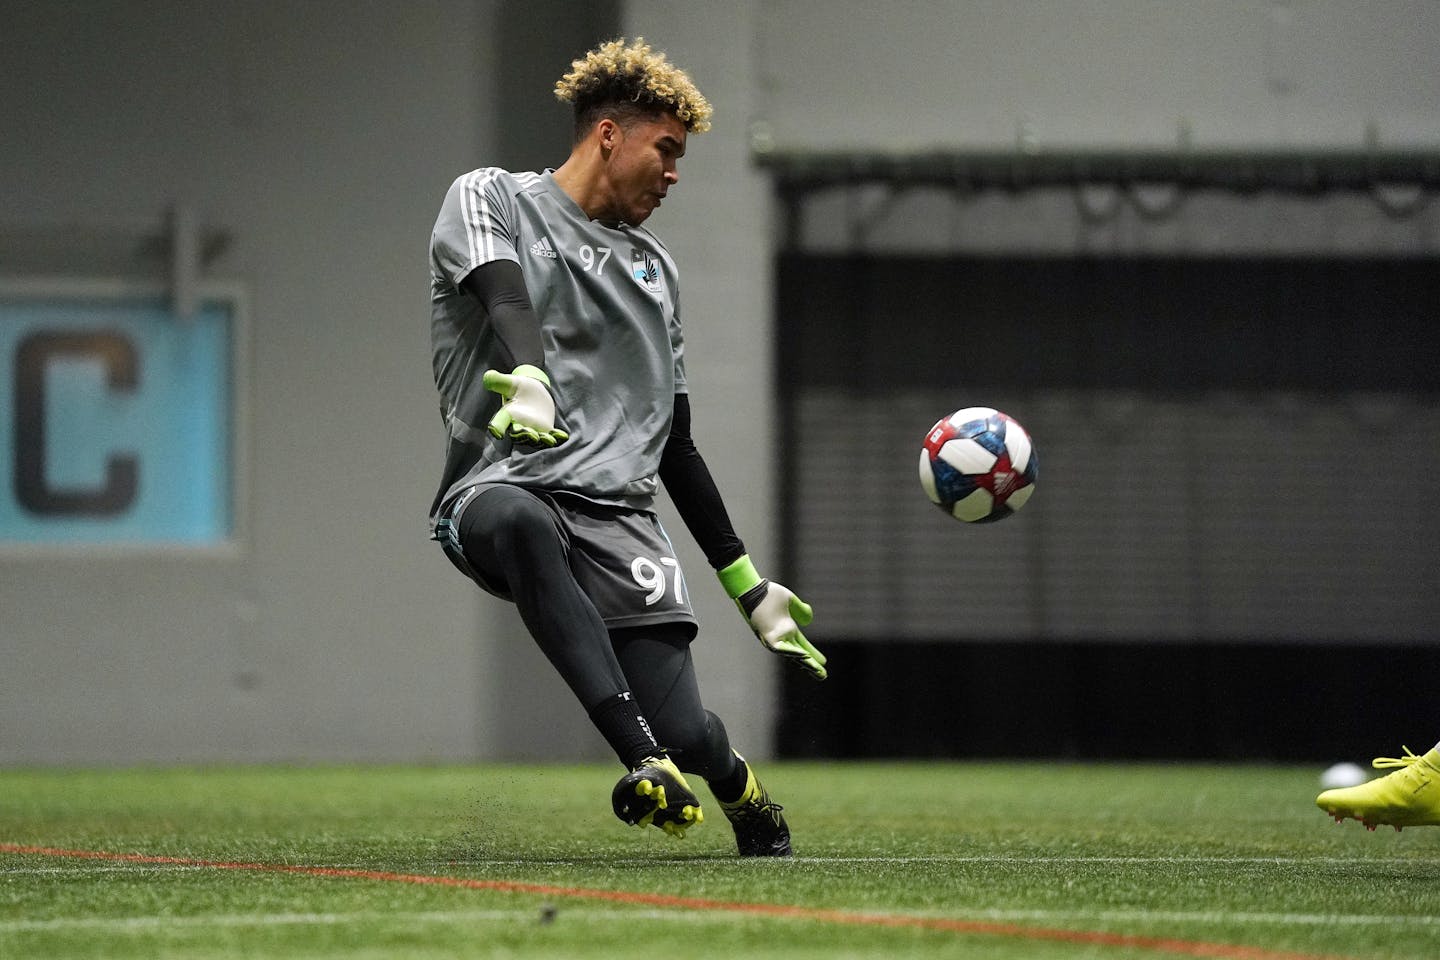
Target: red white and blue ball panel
978 465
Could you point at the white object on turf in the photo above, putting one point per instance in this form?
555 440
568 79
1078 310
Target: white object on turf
1343 775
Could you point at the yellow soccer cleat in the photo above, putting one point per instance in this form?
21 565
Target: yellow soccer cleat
655 793
760 830
1409 797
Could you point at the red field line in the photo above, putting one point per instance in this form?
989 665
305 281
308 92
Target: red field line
1189 948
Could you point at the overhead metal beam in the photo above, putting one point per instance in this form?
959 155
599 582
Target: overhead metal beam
1240 171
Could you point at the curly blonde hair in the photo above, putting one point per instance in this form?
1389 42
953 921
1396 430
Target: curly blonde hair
636 80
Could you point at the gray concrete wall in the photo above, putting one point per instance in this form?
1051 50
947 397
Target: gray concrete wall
918 74
321 136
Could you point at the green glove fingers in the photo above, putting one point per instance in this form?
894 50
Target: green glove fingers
802 614
801 611
500 423
795 646
528 411
501 383
774 613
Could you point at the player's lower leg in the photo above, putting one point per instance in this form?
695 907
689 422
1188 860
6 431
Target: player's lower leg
655 793
1408 797
760 829
511 537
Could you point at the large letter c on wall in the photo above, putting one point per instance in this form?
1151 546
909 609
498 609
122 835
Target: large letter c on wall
117 354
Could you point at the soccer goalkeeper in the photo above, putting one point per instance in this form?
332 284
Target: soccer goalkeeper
558 354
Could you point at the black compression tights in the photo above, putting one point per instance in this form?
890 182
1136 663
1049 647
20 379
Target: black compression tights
662 677
511 537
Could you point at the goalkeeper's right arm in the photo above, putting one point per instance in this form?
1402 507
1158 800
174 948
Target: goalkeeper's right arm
500 287
527 412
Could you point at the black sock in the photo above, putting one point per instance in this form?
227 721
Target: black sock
728 789
619 721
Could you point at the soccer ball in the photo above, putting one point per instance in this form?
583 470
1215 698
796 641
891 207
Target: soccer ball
1343 775
978 465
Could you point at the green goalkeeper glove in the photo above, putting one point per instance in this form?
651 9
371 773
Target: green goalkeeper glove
774 613
528 413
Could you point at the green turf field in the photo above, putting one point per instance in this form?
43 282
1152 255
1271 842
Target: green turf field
903 860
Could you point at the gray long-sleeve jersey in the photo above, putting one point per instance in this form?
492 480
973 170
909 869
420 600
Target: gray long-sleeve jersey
607 301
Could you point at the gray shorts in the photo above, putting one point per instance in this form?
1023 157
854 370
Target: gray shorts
621 558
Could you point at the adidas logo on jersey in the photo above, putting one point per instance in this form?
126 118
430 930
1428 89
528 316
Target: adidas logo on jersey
542 248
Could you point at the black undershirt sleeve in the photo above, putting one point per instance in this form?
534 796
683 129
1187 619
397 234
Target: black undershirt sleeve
500 286
687 479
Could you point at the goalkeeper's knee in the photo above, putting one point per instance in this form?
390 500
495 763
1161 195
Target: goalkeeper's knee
697 744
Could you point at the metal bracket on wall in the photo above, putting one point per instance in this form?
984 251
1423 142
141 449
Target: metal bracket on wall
178 248
184 260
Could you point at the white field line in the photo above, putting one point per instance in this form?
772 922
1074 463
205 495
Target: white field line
1168 861
1198 916
68 871
163 922
990 859
1001 915
791 862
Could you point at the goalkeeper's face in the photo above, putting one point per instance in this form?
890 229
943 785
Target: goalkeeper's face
641 164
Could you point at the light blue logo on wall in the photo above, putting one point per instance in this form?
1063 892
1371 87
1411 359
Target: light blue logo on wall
115 422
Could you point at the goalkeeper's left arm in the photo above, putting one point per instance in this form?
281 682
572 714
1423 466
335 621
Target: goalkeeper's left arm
773 612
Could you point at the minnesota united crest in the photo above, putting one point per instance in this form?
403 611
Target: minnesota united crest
645 269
